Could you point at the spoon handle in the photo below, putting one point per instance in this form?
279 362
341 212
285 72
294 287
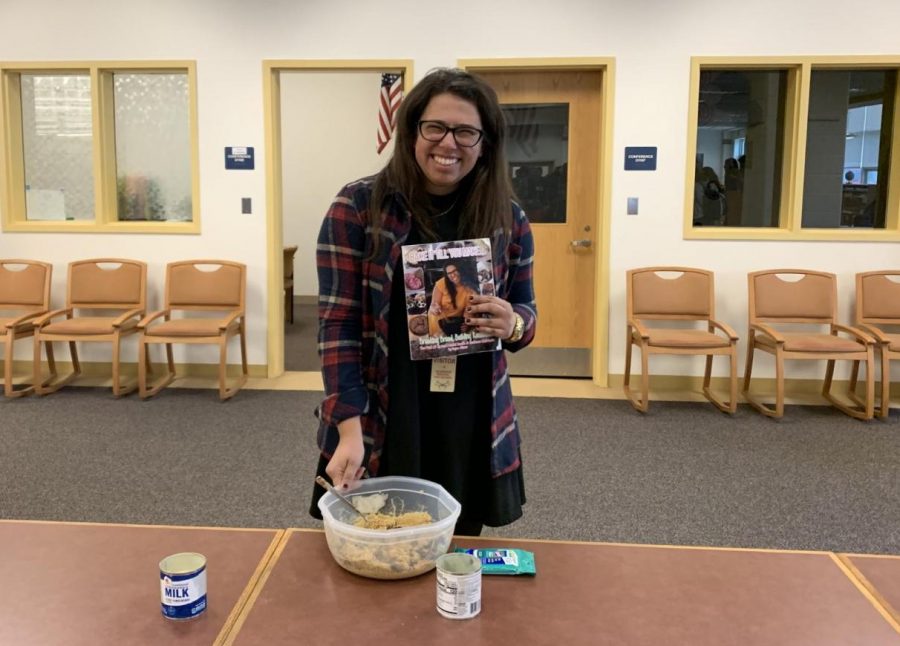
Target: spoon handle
327 485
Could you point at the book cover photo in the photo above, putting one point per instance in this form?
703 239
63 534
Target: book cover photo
439 278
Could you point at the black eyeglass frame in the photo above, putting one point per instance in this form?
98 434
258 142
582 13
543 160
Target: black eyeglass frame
452 130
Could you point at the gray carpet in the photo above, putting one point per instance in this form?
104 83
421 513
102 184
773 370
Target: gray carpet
594 470
300 338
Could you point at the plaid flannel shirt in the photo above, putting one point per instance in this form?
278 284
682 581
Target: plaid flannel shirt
354 299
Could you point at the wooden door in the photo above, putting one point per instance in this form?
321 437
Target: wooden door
554 125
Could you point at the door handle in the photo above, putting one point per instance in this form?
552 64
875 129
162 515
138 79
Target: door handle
581 243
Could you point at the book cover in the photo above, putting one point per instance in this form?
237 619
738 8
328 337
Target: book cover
439 278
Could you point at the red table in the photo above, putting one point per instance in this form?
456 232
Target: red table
584 593
880 576
79 583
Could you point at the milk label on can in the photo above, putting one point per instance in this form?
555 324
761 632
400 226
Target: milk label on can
459 586
182 583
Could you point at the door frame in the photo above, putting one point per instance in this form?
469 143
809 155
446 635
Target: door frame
274 234
607 67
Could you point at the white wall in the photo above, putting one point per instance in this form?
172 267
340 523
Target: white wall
328 139
652 42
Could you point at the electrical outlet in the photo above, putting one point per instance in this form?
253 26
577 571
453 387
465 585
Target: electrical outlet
632 206
246 206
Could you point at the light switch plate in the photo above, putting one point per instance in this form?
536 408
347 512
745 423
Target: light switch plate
246 205
632 206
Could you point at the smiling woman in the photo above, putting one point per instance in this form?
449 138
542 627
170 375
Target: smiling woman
446 180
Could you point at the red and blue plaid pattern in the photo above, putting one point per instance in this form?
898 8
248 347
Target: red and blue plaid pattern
354 298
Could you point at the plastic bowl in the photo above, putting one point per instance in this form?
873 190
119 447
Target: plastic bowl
391 553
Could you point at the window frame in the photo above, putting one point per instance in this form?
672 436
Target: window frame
13 216
799 72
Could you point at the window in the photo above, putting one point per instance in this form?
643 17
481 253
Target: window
793 149
98 147
537 149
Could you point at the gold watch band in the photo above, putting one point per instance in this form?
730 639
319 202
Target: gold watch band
518 330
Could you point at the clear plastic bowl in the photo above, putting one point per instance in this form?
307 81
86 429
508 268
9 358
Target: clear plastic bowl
391 553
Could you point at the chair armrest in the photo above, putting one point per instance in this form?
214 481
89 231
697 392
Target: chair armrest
768 330
144 322
852 331
641 329
127 315
42 321
23 319
228 320
878 333
727 329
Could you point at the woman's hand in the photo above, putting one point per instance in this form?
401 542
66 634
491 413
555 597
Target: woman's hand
502 319
345 466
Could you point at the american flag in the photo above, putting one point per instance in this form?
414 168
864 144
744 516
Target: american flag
390 95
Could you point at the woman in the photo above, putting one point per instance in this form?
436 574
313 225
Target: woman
447 180
449 300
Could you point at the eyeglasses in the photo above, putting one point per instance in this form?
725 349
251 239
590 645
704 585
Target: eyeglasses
435 131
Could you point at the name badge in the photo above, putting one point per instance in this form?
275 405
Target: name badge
443 374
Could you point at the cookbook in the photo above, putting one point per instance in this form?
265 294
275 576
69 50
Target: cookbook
439 279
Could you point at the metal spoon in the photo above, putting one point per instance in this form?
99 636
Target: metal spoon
327 485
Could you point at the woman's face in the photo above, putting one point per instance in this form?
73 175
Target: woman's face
444 162
453 274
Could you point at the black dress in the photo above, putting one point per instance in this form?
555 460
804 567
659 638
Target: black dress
443 437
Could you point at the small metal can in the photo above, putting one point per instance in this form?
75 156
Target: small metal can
182 582
459 585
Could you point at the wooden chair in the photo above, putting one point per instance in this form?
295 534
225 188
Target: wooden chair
24 293
688 297
109 284
289 253
810 300
190 288
877 306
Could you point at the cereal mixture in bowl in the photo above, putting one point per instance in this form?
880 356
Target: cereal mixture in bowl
403 537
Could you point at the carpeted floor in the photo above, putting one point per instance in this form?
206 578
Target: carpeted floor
594 469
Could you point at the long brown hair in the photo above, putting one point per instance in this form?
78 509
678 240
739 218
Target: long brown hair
486 190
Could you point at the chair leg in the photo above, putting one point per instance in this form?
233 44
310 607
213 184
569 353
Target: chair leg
854 382
119 388
243 335
768 411
885 409
779 383
52 383
8 388
639 405
731 405
144 368
868 406
225 392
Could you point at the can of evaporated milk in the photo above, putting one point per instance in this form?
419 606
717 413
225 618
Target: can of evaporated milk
182 582
459 585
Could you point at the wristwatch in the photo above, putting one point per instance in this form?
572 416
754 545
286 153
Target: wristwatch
518 330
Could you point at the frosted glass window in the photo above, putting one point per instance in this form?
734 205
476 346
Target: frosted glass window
153 146
57 147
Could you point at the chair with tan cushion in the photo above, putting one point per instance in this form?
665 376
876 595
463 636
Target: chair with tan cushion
654 294
800 296
105 299
878 306
24 296
217 286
